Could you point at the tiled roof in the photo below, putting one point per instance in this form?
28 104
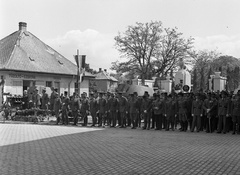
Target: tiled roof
22 51
103 75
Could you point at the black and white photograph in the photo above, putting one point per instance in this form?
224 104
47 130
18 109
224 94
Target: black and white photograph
119 87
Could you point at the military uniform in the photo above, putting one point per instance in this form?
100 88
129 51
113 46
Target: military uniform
158 110
101 110
164 120
45 100
52 99
210 106
93 107
170 112
57 107
222 113
113 110
181 107
84 110
107 118
65 109
134 110
146 109
235 113
123 108
75 106
197 112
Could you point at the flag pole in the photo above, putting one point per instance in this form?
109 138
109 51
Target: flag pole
78 75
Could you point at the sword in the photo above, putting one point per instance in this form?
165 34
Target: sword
209 120
209 123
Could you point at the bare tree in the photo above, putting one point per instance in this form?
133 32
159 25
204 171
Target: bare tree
149 49
139 44
173 47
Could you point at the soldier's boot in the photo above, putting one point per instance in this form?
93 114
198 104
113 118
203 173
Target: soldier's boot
167 125
234 128
133 124
238 129
182 126
186 126
172 126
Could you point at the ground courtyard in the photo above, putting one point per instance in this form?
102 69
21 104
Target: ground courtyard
30 149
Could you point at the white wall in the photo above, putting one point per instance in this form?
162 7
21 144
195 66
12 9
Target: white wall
14 81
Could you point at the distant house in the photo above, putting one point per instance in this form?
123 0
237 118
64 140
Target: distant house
26 61
103 82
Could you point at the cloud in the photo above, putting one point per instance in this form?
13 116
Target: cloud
98 47
226 45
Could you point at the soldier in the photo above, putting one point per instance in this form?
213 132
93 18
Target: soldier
57 107
202 97
122 108
139 102
6 108
75 106
210 106
65 108
235 112
169 112
189 99
84 110
113 110
181 110
45 100
146 109
157 107
229 118
164 99
101 109
107 118
36 99
93 108
52 98
197 112
134 109
222 112
25 100
206 109
128 120
152 115
176 118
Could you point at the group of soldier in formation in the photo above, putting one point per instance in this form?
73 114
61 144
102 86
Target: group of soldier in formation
210 112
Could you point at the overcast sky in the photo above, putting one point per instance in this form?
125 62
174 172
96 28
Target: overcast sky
90 25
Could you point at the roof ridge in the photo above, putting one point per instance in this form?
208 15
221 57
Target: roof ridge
15 44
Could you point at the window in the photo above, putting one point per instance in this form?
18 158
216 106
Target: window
17 87
48 84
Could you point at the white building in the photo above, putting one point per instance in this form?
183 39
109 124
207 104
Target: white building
26 61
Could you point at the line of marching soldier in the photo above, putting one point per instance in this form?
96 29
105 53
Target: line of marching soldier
210 112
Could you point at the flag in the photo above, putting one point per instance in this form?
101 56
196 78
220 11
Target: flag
77 60
80 60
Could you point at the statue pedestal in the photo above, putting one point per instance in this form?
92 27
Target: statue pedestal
166 85
219 83
183 77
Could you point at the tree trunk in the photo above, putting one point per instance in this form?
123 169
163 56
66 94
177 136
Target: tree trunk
143 79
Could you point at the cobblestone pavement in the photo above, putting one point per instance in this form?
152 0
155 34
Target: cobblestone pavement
49 149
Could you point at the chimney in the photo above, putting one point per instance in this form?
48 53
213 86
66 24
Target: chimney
105 70
100 69
23 26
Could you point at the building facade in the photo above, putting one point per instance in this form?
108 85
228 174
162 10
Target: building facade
26 61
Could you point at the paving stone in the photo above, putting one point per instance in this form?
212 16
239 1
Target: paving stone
50 149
